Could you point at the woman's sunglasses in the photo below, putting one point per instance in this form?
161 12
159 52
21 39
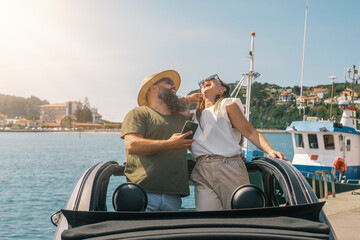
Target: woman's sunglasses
212 77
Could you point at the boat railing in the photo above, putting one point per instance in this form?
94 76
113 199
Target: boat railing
322 175
254 152
356 181
307 174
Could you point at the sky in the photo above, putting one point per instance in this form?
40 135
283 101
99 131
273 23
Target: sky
66 50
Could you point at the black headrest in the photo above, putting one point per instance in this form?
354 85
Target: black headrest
129 197
248 196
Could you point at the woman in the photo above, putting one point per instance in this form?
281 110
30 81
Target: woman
219 168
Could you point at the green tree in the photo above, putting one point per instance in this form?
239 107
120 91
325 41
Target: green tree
13 106
32 117
296 90
83 114
258 94
67 121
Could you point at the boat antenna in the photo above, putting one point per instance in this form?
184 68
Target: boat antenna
355 77
301 107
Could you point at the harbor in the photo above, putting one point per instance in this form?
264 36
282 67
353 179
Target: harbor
343 212
53 153
62 157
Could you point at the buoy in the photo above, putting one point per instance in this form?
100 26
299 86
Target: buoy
340 164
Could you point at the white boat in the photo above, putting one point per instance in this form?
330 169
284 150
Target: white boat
329 146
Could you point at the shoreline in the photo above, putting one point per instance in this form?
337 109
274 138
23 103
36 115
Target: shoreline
47 131
112 131
271 131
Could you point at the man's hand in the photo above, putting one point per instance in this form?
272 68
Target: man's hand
178 141
136 144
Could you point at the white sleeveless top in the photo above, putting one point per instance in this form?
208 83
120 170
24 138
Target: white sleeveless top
215 135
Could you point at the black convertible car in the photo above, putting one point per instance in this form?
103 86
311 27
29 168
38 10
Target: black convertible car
278 204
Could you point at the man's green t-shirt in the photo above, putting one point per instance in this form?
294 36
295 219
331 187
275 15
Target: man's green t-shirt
163 172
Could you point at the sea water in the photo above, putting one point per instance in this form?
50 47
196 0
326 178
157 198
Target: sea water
39 170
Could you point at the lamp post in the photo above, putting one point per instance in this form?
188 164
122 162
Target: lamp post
332 91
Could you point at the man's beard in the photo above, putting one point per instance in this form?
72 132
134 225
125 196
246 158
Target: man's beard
171 100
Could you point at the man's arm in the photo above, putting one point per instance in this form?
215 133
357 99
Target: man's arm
136 143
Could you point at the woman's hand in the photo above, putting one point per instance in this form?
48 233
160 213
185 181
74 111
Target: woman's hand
193 98
275 154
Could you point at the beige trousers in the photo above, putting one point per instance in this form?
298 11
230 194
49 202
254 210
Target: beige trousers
215 178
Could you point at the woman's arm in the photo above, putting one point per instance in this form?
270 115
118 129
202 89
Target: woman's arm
239 121
192 98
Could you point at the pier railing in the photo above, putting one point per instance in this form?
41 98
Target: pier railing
323 190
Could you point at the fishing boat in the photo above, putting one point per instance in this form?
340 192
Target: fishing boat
328 149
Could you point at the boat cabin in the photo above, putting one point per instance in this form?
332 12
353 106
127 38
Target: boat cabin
318 145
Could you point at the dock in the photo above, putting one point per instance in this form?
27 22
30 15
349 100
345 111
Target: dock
343 212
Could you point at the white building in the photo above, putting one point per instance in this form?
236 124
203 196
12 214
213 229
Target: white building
49 112
72 106
95 115
321 92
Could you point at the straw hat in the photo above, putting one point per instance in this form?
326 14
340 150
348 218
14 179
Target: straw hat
150 80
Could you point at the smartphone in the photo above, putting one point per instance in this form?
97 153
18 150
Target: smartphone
189 126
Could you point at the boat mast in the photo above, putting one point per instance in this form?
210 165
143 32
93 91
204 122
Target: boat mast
332 93
353 81
301 106
353 120
250 77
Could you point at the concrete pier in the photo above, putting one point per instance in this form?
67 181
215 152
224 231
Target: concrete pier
343 212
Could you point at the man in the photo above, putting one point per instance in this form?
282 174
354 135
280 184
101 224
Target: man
155 148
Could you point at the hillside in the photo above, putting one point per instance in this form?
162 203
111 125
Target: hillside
265 113
13 106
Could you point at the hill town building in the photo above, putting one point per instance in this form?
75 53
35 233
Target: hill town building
55 113
50 112
2 120
287 97
321 92
346 95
